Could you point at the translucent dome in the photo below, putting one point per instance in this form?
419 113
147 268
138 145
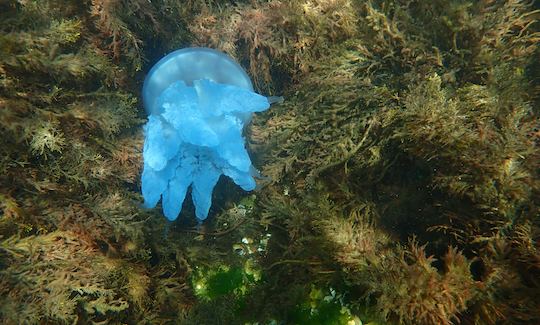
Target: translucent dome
188 65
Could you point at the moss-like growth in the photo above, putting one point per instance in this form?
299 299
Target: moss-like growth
401 170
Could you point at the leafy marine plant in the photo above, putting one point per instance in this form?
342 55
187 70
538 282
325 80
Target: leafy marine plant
64 135
324 307
64 273
278 40
402 283
439 146
402 119
413 291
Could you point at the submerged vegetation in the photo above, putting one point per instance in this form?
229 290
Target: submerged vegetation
400 179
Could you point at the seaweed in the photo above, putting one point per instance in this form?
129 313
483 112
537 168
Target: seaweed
400 174
277 40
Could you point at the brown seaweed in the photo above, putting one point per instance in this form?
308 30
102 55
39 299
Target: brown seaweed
401 171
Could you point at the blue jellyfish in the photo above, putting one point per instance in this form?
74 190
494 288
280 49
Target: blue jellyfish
198 101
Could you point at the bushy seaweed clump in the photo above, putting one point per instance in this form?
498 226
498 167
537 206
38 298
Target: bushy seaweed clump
401 170
72 245
276 40
438 136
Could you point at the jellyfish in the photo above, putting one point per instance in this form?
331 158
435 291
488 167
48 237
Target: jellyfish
198 101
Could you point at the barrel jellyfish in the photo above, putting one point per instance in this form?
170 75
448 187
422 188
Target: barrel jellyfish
198 101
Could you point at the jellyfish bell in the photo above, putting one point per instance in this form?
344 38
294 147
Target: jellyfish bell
188 65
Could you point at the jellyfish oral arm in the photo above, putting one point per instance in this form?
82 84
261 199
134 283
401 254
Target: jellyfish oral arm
193 137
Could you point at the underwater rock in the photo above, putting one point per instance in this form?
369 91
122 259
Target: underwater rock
198 101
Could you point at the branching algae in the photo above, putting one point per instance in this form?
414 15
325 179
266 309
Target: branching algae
401 174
